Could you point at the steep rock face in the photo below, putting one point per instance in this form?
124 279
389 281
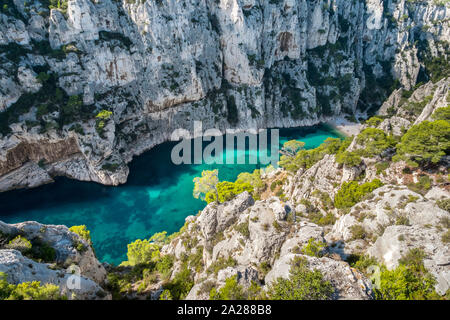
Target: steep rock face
72 255
47 152
230 63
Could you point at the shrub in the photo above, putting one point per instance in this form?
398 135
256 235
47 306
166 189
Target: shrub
328 219
351 159
164 265
221 263
254 179
20 243
422 186
409 281
28 291
307 158
166 295
263 269
111 167
351 193
374 121
181 284
140 252
404 284
243 229
441 114
83 232
381 166
275 184
277 226
104 115
324 198
313 248
230 291
302 284
110 36
358 232
444 204
361 262
41 251
196 260
70 111
232 111
226 191
374 141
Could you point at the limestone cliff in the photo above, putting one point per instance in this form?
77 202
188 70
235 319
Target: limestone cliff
160 65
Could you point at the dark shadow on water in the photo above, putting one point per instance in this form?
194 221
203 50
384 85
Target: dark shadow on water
51 195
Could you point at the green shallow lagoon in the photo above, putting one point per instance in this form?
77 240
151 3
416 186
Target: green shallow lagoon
157 197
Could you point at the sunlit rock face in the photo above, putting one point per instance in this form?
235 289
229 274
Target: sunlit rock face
72 255
160 65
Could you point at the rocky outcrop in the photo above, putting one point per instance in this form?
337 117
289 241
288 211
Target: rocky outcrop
21 269
159 66
396 241
256 234
347 282
394 221
72 265
412 107
389 205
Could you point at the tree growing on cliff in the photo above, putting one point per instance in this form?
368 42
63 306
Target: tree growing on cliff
254 179
83 232
373 142
425 143
442 114
292 147
351 193
348 158
206 183
141 252
226 191
71 110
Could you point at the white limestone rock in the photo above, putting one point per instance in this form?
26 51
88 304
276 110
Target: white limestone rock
348 283
21 269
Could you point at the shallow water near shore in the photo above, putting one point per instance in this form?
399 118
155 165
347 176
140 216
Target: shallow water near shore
156 197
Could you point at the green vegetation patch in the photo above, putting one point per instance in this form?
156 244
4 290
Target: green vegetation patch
302 284
28 290
374 142
351 193
307 158
425 143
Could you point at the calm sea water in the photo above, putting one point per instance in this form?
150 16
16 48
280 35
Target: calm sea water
157 197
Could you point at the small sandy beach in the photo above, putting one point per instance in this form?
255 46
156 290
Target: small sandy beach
348 128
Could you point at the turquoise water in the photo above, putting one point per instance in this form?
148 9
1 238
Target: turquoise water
157 197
